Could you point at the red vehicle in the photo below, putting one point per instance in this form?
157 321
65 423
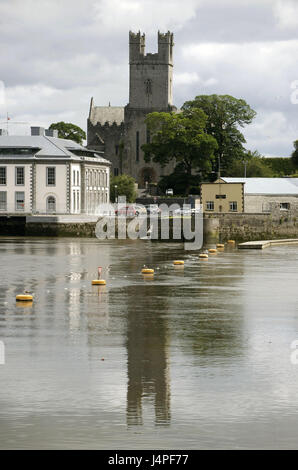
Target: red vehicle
128 211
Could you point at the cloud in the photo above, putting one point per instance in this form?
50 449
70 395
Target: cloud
286 13
270 130
147 15
189 78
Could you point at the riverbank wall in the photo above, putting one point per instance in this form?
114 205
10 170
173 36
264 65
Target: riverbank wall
248 226
217 226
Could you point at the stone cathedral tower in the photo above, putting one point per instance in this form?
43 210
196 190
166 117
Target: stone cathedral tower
121 132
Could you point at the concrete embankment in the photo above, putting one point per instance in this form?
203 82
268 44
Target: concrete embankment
261 244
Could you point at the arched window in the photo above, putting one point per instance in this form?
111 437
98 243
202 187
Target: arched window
51 204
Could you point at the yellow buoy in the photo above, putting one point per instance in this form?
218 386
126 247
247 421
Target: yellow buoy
147 271
24 303
148 277
98 282
203 256
220 245
24 297
178 262
231 241
212 250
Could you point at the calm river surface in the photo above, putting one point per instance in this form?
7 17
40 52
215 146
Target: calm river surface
196 358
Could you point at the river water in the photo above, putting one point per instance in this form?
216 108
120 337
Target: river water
195 358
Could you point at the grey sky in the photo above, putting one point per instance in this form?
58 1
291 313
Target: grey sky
55 55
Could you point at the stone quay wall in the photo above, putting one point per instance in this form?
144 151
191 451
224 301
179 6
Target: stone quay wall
249 226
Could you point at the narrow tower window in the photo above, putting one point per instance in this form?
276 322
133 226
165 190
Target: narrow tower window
148 86
137 146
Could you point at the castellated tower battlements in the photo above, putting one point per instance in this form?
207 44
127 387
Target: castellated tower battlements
137 49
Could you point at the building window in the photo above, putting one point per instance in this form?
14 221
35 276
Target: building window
51 176
74 177
78 201
209 206
147 136
116 149
3 200
78 178
3 175
51 204
20 176
137 146
284 206
233 206
221 196
116 171
20 201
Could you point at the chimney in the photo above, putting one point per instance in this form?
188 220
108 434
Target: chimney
51 133
37 131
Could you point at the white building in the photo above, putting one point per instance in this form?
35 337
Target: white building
42 174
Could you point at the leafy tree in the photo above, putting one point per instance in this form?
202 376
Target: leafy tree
225 114
255 167
179 181
67 130
123 185
180 137
281 166
294 156
251 165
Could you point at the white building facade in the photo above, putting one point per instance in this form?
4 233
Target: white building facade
42 174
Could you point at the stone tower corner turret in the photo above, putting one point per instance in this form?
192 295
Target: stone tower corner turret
136 46
165 47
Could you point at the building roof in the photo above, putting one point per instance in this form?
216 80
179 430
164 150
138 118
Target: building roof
271 186
109 114
46 147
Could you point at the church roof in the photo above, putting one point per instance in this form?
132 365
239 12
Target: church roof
103 114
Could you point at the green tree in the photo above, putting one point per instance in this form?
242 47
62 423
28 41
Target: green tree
294 156
255 167
180 138
281 166
67 130
179 181
123 185
225 114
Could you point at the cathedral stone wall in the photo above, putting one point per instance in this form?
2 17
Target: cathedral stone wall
108 137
